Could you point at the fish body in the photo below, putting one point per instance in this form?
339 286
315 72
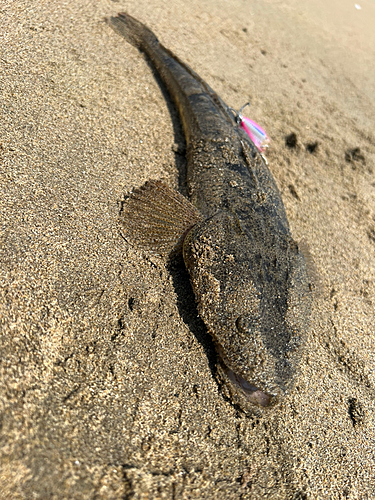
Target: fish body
248 274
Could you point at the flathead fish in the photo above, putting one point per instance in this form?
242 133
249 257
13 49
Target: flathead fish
248 274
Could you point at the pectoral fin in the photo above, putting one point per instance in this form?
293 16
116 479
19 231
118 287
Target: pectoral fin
157 218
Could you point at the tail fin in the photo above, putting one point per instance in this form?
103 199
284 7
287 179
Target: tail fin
133 31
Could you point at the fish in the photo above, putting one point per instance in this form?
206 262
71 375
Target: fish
248 275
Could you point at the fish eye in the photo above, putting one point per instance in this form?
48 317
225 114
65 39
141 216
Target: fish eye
243 324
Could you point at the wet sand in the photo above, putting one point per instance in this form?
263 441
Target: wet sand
107 375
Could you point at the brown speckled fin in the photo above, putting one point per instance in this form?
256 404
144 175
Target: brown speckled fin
157 218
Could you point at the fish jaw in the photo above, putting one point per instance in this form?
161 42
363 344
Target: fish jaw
240 390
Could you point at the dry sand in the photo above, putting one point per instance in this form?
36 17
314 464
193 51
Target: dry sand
107 375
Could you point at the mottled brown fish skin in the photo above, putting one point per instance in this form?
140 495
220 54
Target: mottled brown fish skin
248 275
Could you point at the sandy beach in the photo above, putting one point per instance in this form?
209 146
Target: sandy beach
107 374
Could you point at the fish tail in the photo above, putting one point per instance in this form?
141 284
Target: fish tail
202 111
135 32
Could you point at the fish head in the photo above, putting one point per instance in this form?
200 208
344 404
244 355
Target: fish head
254 302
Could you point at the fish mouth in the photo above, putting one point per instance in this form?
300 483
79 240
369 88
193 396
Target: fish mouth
251 392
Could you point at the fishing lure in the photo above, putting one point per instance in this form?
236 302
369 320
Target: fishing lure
253 130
